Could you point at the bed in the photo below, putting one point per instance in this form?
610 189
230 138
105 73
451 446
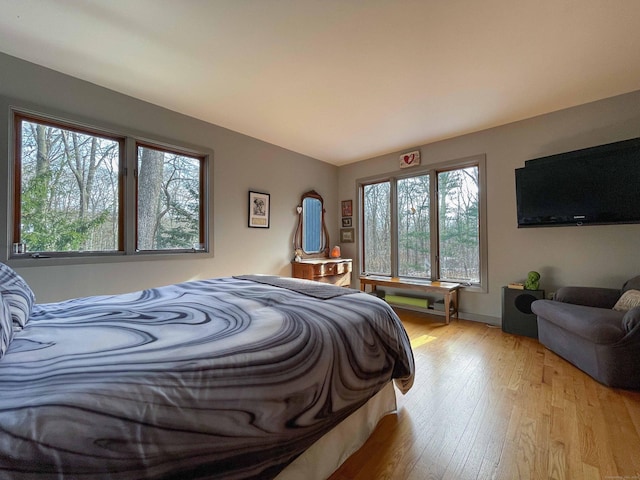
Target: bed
225 378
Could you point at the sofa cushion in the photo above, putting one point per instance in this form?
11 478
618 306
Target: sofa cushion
631 319
588 296
598 325
628 300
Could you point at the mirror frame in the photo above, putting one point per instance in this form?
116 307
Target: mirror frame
297 238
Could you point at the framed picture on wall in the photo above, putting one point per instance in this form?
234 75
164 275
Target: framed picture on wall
346 235
259 206
347 208
346 222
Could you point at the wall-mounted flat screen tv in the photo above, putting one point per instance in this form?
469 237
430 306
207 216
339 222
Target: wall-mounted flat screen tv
593 186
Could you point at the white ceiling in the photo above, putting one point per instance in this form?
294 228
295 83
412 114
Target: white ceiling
339 80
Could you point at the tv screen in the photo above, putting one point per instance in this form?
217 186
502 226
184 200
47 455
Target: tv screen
593 186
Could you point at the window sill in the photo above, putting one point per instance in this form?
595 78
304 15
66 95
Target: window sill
43 259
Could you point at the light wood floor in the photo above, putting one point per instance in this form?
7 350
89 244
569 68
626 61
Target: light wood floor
490 405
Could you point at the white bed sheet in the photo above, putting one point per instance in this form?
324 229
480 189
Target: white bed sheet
324 457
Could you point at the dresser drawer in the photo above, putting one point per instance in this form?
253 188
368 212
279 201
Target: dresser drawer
336 272
327 269
342 280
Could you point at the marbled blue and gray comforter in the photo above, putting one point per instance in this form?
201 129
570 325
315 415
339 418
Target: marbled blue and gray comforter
221 378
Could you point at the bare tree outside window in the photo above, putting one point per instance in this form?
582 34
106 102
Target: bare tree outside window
458 198
414 234
377 228
69 189
169 210
452 252
71 182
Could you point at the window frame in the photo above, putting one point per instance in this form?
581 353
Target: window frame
127 231
202 191
18 118
432 170
393 241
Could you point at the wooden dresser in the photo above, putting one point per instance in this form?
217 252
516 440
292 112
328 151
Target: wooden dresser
336 271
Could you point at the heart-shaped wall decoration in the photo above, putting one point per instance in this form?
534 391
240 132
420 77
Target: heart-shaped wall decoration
410 159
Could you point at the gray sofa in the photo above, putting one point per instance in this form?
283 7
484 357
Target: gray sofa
580 325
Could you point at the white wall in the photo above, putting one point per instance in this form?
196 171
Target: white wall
240 164
594 255
591 255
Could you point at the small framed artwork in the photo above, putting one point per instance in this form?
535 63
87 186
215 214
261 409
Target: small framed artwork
346 235
346 222
347 208
259 206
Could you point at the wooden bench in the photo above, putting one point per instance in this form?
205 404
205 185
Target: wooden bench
448 290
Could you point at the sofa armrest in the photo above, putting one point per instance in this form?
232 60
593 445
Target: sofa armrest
588 296
602 326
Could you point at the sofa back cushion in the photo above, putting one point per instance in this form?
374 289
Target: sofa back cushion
631 284
601 326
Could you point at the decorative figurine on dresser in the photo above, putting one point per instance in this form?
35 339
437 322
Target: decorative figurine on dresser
312 258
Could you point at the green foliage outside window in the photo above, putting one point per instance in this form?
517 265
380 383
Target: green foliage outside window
71 189
412 249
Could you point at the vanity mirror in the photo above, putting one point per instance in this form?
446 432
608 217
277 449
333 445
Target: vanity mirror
311 239
311 245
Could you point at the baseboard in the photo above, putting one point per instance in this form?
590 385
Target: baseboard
489 320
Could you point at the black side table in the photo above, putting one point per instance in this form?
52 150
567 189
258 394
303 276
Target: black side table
517 317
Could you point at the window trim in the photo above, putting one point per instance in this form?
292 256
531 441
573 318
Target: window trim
432 170
16 111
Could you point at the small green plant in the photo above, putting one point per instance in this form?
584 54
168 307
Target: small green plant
533 281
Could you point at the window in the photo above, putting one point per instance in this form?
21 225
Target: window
427 224
169 213
377 228
68 189
72 193
414 234
458 226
